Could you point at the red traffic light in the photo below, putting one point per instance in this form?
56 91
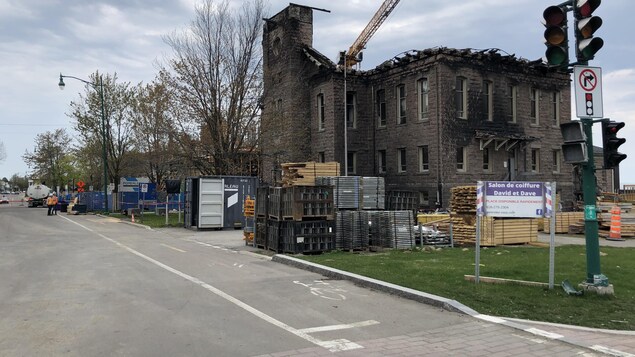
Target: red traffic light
554 16
585 8
611 142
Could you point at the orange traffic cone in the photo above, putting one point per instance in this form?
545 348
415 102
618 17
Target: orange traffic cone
616 224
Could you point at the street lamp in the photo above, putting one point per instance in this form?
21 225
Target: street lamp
100 89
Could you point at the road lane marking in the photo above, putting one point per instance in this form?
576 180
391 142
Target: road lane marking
332 346
171 247
339 327
610 351
543 333
323 290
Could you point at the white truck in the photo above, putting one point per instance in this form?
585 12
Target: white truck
36 194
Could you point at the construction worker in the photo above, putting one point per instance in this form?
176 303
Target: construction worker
55 200
49 204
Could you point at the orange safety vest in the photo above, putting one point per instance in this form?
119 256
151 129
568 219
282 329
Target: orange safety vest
49 201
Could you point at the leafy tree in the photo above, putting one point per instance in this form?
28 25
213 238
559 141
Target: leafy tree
118 112
19 182
52 160
216 78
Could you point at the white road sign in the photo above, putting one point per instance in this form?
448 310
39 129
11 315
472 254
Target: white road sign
588 91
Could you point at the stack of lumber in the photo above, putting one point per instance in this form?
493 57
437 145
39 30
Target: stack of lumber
564 220
463 199
463 229
463 208
500 231
494 231
606 206
304 173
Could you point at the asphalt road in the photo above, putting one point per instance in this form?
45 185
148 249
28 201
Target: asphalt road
92 286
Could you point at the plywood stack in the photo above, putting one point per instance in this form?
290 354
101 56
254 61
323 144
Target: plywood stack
304 173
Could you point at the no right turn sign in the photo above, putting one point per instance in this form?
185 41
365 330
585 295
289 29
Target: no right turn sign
588 91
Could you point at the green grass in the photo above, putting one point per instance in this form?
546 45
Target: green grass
441 272
152 220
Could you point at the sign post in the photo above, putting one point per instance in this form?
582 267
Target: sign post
518 199
550 189
588 92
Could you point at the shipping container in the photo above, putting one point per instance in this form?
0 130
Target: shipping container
217 201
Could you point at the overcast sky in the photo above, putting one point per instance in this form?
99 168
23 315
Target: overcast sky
41 38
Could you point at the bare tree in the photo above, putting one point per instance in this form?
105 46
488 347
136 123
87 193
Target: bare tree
118 108
153 129
216 77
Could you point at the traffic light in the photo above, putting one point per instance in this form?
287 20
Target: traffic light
556 40
574 149
586 24
611 142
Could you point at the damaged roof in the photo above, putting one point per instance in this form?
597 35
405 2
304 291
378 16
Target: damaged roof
487 55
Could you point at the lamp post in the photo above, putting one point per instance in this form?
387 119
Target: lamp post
100 88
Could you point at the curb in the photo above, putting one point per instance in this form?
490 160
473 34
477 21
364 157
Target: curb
434 300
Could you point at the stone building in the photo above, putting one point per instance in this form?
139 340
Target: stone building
426 120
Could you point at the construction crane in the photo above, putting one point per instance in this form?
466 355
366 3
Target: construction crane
351 57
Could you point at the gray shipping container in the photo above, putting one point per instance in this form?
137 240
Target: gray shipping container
218 201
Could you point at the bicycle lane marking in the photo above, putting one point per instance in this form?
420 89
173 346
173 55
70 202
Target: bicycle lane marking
333 345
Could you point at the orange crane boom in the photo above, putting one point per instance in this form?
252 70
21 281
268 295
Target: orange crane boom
380 16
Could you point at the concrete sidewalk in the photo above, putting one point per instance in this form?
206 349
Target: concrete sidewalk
610 342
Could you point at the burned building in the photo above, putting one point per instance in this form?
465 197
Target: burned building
426 120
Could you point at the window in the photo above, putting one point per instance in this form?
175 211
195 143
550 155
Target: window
556 161
488 100
461 97
401 160
321 156
381 161
534 111
424 159
422 87
320 109
512 92
381 108
352 163
401 104
555 108
486 160
351 110
535 160
424 198
461 164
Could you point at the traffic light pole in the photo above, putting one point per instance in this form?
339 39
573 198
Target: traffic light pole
594 274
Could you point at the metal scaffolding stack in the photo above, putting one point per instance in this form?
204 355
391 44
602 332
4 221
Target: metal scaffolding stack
355 192
392 229
352 230
374 193
346 190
